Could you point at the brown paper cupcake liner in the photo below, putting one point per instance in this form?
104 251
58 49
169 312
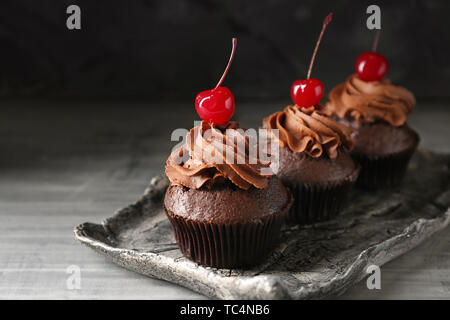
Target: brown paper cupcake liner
385 171
227 246
320 202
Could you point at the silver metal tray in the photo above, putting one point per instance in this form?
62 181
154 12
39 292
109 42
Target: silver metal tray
311 262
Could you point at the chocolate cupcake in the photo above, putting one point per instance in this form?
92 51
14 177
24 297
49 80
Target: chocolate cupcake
314 161
384 143
225 214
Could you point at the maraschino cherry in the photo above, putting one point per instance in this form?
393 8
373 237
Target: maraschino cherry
309 92
371 66
217 105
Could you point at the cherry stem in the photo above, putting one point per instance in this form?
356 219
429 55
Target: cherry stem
375 42
326 21
233 50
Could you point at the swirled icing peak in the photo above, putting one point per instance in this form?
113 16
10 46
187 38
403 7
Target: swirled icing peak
368 102
310 131
213 154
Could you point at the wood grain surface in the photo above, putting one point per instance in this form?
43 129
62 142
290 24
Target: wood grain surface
60 166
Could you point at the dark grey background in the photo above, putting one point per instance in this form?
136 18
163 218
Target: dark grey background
157 50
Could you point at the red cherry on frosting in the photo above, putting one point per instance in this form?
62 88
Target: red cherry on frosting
371 66
309 92
217 105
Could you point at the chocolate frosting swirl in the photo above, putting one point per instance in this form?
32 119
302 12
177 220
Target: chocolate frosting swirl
310 131
196 164
368 102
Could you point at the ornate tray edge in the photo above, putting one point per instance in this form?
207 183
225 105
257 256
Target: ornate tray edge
260 286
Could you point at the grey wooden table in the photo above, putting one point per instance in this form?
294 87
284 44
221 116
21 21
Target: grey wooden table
65 163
